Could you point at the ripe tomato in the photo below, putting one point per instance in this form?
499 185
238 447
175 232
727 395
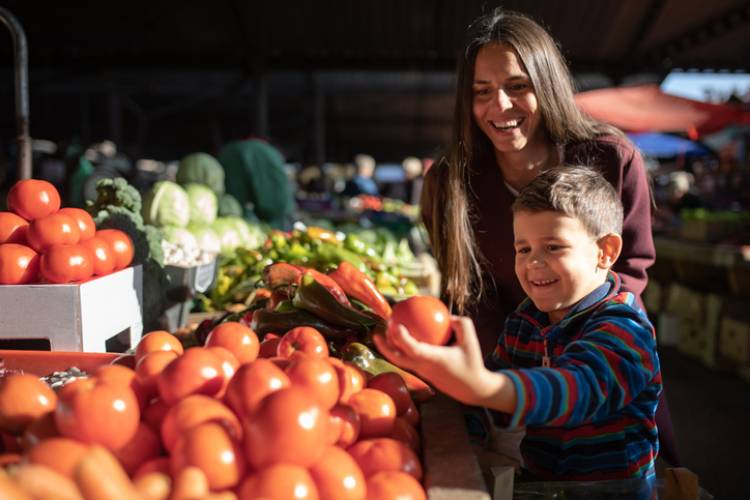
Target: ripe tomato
426 318
238 338
104 259
394 484
289 426
392 384
58 453
67 263
95 411
317 376
33 199
404 431
305 339
251 383
344 426
18 264
411 414
279 481
376 410
209 447
159 464
197 371
149 367
158 340
195 410
85 222
385 454
121 245
144 446
55 229
338 476
229 365
118 374
154 413
269 346
13 228
23 399
351 378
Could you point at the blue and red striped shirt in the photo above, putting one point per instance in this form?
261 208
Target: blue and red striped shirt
590 414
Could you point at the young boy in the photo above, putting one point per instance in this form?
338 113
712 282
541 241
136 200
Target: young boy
577 362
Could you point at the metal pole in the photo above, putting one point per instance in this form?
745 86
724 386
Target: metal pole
22 92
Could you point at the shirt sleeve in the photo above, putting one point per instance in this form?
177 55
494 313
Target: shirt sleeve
638 252
597 375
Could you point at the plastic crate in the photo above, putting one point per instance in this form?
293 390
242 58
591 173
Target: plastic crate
42 363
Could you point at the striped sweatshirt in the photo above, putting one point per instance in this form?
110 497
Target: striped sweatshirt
590 414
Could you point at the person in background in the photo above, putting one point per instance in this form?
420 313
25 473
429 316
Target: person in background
255 176
515 117
362 182
576 363
413 171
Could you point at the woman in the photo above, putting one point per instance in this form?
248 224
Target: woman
516 116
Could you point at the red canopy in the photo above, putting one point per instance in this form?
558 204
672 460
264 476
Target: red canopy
646 108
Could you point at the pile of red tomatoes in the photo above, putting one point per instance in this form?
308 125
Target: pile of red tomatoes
43 243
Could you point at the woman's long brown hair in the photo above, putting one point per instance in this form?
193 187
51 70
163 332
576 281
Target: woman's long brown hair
445 200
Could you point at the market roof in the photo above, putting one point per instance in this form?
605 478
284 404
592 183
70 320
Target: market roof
612 36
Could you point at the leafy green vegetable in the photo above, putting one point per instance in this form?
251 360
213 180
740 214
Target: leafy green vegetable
208 240
229 206
202 168
166 204
204 205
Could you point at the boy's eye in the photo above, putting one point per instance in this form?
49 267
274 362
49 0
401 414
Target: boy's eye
553 248
523 250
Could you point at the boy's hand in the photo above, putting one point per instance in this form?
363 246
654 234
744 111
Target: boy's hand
457 370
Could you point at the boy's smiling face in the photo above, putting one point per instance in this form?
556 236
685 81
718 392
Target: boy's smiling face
558 262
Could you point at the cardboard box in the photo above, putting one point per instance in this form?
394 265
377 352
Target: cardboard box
99 315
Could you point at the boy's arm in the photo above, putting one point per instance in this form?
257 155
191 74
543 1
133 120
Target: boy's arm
457 370
598 374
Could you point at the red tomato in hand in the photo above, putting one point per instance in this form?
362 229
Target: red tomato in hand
95 411
82 218
67 263
121 245
32 199
12 228
104 257
55 229
18 264
426 318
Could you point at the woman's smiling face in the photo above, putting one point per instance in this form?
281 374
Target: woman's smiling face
504 104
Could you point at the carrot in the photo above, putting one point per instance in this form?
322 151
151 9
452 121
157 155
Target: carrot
153 485
101 477
43 482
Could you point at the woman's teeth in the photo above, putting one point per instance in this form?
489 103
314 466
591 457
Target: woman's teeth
509 125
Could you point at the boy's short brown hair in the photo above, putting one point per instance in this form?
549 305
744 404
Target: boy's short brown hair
576 191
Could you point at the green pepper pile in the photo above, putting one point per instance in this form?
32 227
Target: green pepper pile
373 253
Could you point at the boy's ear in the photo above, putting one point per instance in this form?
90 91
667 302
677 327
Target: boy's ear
610 246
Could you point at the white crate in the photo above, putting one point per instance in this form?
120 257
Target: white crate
76 316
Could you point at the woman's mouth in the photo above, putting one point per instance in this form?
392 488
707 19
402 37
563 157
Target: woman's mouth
507 125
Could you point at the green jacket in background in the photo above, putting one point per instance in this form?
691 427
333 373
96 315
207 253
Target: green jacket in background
255 174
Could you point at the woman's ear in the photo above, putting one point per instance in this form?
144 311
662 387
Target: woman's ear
610 246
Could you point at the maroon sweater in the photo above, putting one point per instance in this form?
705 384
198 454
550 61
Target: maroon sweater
622 166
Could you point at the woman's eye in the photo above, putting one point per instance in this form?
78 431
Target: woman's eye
518 87
481 92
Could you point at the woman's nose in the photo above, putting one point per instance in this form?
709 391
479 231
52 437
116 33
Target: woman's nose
503 100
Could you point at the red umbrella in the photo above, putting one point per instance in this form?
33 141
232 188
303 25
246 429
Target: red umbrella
646 108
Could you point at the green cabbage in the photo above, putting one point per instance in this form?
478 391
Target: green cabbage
201 168
166 204
228 206
208 240
203 203
180 236
229 235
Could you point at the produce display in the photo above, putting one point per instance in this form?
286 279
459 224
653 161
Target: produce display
373 252
43 243
236 417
